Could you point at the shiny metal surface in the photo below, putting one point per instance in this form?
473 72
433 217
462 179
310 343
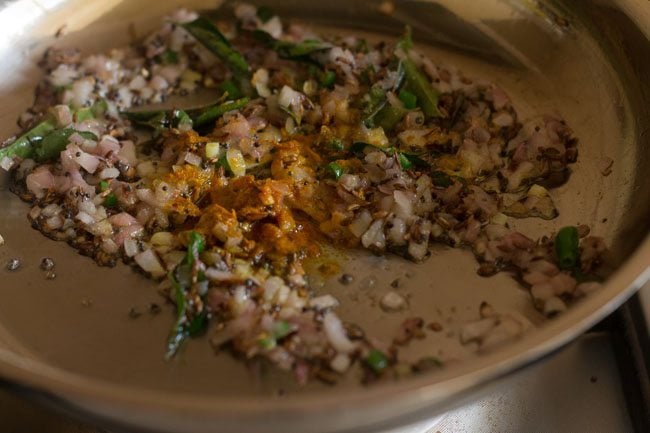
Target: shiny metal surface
586 60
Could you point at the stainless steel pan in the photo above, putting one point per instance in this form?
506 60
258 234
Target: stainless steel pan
71 339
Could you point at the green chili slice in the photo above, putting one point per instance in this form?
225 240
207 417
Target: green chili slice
377 361
110 201
567 248
335 170
327 79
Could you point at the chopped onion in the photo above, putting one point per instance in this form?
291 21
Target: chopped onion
340 363
85 218
163 239
7 163
54 222
146 169
193 159
149 262
131 247
260 81
393 301
51 210
361 223
336 334
88 207
323 302
289 98
212 150
474 330
554 305
374 236
236 161
109 173
87 161
128 152
109 246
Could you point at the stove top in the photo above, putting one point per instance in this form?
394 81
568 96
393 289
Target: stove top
599 383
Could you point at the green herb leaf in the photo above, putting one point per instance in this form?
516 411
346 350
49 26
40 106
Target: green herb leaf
416 81
413 160
156 120
84 114
336 144
23 146
265 13
99 108
213 112
195 246
209 36
56 141
377 100
181 118
300 51
426 95
406 43
408 99
162 119
441 179
169 57
178 333
231 89
389 116
189 321
362 46
198 324
367 76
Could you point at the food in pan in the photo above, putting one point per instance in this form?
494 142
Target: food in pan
311 142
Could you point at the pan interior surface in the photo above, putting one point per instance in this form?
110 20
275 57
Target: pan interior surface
73 336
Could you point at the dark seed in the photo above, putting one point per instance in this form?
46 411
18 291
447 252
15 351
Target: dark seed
327 376
154 308
487 270
13 264
47 264
395 283
427 364
353 331
346 279
134 313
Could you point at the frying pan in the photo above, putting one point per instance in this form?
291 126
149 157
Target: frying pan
71 341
